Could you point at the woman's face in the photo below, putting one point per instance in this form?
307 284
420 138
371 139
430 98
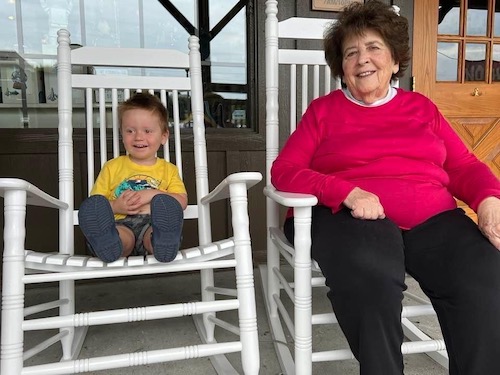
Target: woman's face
368 66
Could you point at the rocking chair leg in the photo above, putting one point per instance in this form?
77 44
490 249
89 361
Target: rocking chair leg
207 281
67 292
13 292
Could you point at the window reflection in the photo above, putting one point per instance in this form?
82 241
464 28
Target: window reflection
163 30
496 21
228 67
475 64
496 63
449 17
476 21
112 23
8 29
187 8
42 18
447 62
476 39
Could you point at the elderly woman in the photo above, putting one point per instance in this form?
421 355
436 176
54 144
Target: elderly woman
385 166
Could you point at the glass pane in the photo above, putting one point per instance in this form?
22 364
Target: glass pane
19 89
477 20
449 17
496 31
8 29
162 30
475 66
112 23
218 9
186 7
228 66
228 52
496 63
225 110
42 19
447 62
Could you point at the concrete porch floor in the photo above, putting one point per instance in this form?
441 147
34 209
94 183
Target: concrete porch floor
141 336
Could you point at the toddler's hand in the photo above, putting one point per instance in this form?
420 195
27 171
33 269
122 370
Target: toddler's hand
128 203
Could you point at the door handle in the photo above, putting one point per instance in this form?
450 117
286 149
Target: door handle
476 92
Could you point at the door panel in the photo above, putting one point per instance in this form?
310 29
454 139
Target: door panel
456 58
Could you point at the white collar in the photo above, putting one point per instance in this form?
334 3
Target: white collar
391 93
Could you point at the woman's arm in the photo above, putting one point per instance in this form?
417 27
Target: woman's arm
291 171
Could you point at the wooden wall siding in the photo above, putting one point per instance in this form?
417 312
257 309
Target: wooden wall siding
32 155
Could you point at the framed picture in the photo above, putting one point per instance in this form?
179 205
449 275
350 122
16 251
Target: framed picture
332 5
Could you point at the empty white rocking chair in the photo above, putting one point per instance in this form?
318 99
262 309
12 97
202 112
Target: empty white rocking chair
22 267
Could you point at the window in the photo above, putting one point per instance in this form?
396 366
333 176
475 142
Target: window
468 48
28 42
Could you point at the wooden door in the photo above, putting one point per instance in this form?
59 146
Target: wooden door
456 63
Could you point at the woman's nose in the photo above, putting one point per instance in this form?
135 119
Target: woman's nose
363 57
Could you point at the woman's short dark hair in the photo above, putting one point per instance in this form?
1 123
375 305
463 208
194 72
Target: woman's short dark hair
148 102
356 19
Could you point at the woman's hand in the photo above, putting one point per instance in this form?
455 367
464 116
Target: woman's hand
364 205
488 219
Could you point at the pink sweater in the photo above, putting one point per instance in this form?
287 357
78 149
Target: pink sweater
403 151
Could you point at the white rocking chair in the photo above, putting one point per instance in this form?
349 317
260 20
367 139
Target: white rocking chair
22 267
289 300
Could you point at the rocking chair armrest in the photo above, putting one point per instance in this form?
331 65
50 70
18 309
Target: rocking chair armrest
290 199
222 190
34 196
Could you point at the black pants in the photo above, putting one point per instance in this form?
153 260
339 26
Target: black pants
364 263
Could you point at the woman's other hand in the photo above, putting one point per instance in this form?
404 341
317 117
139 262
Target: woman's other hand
364 205
488 219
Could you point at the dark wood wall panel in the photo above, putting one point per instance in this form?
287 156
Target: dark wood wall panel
39 169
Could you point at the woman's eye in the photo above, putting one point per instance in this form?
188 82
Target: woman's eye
350 54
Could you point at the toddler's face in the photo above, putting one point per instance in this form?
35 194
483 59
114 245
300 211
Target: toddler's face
142 135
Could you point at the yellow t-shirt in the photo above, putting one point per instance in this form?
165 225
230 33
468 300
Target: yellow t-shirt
120 174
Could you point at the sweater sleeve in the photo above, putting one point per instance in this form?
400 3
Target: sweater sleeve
291 171
470 179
